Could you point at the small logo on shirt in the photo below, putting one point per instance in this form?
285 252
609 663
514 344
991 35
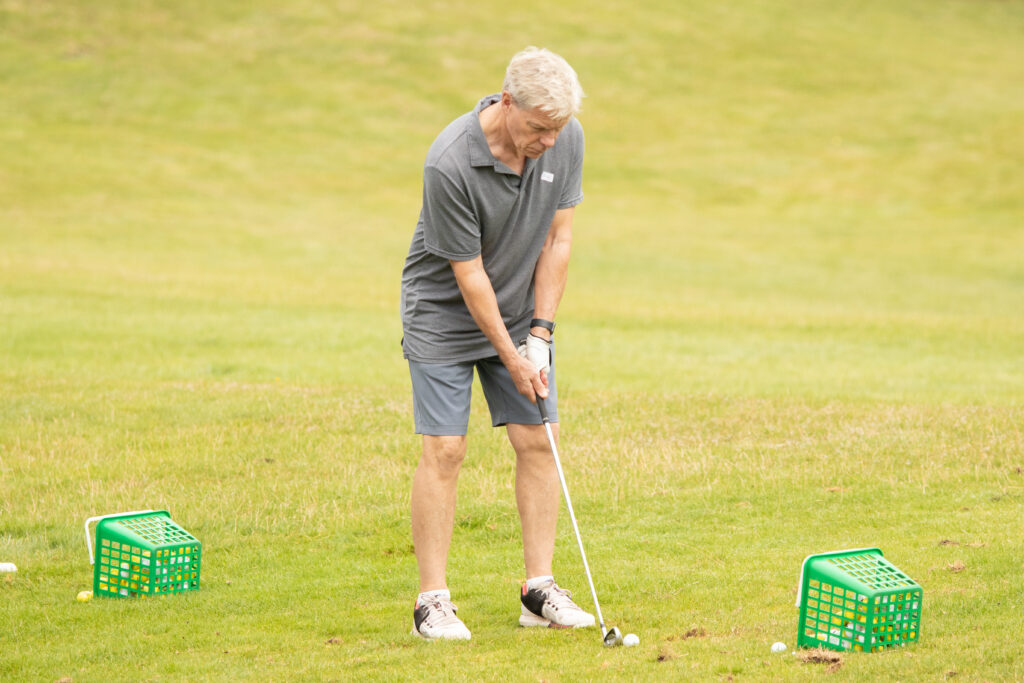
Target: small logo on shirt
547 176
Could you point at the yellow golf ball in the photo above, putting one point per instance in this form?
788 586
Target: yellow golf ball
84 596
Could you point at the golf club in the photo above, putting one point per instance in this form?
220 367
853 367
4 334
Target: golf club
611 637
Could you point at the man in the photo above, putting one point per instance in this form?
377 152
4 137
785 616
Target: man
480 288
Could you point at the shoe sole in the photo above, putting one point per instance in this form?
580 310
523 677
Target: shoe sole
532 620
419 635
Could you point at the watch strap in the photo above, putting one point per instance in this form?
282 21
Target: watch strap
546 324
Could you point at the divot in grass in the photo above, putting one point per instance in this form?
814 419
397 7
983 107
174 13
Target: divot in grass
822 656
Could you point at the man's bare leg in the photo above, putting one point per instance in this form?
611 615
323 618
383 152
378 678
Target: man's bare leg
537 495
433 506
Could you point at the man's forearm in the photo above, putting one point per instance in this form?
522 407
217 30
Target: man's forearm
553 268
478 293
549 282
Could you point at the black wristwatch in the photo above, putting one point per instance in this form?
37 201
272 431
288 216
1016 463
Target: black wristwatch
546 324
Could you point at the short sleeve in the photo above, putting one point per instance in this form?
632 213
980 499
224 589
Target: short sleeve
572 190
450 225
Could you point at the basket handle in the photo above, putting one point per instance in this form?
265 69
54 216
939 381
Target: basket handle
88 538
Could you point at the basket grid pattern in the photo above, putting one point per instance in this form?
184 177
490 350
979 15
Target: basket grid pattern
157 529
873 572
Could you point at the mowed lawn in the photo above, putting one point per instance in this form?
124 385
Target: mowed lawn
794 324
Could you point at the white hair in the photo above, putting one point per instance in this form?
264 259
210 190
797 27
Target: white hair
537 78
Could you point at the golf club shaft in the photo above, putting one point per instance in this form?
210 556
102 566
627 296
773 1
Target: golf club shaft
568 504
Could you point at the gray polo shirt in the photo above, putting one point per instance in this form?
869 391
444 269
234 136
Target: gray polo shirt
474 205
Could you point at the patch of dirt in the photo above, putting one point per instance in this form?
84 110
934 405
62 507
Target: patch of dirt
822 656
957 566
695 632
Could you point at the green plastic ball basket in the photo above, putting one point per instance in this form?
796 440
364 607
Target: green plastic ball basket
142 553
857 600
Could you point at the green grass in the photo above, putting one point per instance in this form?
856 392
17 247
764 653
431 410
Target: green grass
793 325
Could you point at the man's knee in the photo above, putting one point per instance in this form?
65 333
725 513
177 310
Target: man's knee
444 454
531 442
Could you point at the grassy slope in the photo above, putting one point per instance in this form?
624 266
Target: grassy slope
793 325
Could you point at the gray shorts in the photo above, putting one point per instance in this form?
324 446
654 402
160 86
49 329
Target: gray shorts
441 395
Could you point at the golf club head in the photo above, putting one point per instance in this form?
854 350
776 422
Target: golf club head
613 637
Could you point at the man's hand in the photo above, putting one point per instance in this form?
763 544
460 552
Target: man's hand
530 381
537 351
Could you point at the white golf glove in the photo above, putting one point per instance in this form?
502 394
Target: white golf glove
537 351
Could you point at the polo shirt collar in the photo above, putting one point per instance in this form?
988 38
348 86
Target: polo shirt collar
479 150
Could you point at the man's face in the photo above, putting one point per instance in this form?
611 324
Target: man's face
533 132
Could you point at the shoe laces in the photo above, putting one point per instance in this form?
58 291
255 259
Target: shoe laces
560 598
442 612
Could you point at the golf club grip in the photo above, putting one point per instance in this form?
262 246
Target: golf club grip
543 409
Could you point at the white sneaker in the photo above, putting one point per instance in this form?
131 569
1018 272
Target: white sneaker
552 606
435 619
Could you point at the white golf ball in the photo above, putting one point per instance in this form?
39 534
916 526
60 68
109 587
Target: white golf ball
7 567
778 647
630 640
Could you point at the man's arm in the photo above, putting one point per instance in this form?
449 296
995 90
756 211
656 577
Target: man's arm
552 270
478 294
